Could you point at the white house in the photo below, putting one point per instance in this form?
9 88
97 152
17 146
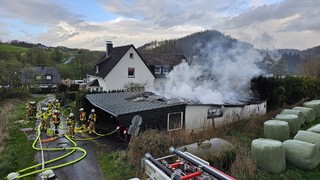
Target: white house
124 64
198 116
120 66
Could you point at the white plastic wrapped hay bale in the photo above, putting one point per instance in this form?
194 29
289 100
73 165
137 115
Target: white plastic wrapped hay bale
293 121
309 113
269 155
277 130
296 112
315 105
315 129
301 154
309 137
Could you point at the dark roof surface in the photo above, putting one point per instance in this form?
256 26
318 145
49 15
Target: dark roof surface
125 102
153 59
28 75
106 64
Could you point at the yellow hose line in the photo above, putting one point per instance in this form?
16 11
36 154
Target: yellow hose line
98 136
73 149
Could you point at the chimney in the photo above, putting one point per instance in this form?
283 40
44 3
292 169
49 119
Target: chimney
109 47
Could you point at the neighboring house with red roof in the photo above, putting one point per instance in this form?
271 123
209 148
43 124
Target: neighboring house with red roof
124 65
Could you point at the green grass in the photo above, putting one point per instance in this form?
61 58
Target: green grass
12 49
18 152
115 166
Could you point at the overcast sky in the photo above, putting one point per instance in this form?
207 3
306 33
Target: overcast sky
89 23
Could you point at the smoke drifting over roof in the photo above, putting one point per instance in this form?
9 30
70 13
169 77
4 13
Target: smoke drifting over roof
220 74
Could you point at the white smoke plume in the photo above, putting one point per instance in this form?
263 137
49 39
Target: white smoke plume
218 75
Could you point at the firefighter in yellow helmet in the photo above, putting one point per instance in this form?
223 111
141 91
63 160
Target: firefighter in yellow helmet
71 123
92 121
57 105
82 118
56 120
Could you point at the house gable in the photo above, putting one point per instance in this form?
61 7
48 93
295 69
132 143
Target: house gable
130 68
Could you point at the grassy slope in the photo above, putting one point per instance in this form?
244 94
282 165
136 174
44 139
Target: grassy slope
18 152
12 49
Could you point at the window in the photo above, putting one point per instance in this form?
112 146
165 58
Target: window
165 69
175 121
131 55
97 69
214 113
157 70
38 77
130 72
48 77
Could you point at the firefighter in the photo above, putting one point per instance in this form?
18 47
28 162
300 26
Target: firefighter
56 121
57 105
33 109
49 105
46 118
92 121
43 127
71 123
29 110
82 118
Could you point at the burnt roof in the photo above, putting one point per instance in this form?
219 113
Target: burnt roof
153 59
106 64
126 102
28 75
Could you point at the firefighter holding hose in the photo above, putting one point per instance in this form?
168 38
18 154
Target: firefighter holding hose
71 123
46 118
92 121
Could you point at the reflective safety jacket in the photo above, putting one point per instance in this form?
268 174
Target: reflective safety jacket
55 118
57 105
46 115
92 117
49 105
82 116
70 121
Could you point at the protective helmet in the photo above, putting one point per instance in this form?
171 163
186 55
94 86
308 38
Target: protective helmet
49 101
81 109
92 110
32 102
57 100
47 174
55 111
71 114
12 176
45 109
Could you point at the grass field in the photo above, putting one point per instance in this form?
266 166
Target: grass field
17 151
12 49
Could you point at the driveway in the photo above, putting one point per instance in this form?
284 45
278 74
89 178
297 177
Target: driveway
88 167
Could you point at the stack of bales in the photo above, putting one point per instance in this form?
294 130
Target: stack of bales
293 121
296 112
302 152
315 105
309 113
269 155
315 129
277 130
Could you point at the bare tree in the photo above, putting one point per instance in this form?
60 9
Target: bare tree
310 67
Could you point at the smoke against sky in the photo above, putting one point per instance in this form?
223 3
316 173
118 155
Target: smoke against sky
220 75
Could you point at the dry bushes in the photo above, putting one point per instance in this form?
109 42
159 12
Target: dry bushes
5 108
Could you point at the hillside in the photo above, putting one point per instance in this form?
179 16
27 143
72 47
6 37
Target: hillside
197 45
72 63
